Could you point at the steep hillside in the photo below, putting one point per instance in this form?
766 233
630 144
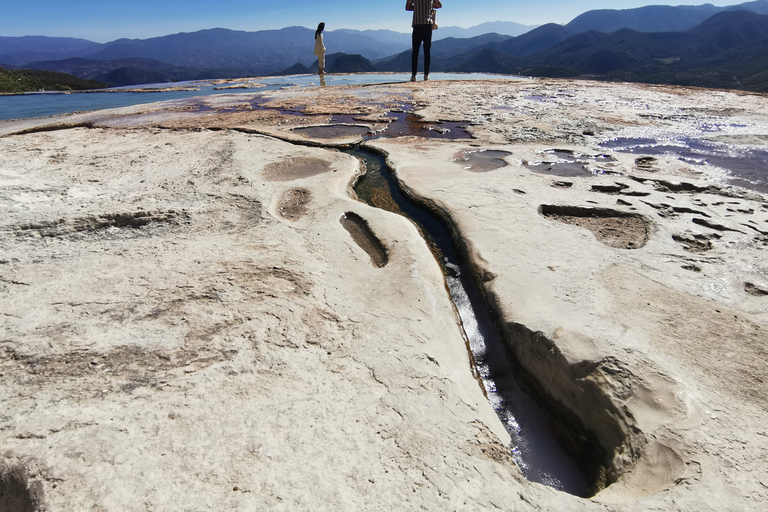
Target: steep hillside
263 51
728 30
119 71
345 63
26 80
536 40
717 53
656 18
653 18
484 60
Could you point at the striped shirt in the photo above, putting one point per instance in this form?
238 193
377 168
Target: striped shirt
422 12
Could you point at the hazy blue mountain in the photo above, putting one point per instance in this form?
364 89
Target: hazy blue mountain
363 43
655 18
403 39
345 63
722 32
716 53
217 47
261 52
538 39
21 50
729 50
505 28
715 45
133 75
118 72
728 30
451 46
42 44
390 37
296 69
267 50
397 63
484 60
444 52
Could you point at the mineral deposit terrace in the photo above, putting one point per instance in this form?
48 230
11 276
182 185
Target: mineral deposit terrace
194 315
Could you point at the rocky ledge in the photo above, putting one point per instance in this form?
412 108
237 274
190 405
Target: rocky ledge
192 319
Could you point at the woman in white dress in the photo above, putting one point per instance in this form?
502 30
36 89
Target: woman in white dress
320 48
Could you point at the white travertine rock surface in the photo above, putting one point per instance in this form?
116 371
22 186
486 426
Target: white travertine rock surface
187 325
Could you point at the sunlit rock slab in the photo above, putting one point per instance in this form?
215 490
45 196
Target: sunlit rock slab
186 324
665 309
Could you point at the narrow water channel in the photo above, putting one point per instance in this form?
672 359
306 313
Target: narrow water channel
534 447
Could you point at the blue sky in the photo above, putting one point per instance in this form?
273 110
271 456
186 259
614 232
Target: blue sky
105 20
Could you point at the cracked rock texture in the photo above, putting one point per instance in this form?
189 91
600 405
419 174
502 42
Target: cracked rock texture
187 325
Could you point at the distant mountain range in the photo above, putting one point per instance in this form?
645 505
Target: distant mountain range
222 48
689 45
656 18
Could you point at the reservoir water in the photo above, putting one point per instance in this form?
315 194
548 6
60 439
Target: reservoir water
23 106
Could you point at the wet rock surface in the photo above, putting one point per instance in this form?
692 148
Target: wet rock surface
187 324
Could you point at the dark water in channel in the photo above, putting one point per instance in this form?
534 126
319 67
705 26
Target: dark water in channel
534 447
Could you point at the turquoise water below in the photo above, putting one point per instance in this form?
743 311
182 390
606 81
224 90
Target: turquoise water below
44 104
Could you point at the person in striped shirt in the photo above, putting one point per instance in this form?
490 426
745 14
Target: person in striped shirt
423 21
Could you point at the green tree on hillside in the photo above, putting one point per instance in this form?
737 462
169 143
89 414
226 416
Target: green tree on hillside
27 80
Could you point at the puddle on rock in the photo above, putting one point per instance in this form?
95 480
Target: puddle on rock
408 124
611 227
567 163
482 160
398 120
293 204
333 131
404 123
747 167
295 168
365 238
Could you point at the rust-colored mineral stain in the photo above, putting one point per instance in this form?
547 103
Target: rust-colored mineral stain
295 168
293 204
611 227
365 238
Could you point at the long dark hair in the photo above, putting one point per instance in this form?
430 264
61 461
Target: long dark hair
320 28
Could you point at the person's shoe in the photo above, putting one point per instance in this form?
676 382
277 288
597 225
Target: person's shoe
426 77
413 78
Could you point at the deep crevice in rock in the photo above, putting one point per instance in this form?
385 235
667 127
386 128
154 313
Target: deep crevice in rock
597 431
583 400
448 239
18 492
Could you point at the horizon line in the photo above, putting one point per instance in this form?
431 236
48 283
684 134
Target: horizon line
266 30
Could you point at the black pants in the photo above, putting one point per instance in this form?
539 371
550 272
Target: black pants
421 34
